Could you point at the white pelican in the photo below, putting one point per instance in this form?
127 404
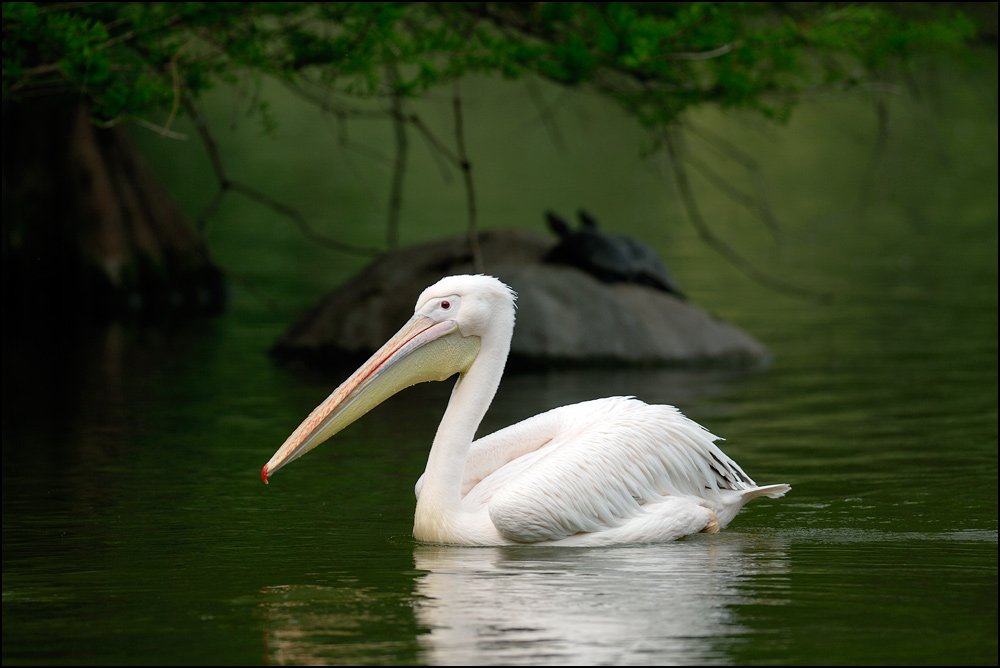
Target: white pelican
600 472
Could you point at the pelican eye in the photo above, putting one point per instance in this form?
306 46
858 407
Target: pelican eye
445 304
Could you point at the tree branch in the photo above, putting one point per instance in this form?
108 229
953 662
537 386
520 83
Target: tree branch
749 201
325 104
435 143
159 129
399 164
226 184
759 201
176 83
477 253
703 55
442 154
545 114
714 242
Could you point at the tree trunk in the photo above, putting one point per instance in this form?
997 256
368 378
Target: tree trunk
89 229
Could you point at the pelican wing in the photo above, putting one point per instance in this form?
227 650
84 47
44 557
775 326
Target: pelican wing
594 465
488 468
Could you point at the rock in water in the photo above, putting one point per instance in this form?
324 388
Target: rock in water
564 316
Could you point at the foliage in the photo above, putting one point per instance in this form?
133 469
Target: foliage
657 59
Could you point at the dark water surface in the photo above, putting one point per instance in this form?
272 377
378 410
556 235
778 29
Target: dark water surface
136 529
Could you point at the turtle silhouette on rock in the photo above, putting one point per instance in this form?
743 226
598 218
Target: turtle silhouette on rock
610 258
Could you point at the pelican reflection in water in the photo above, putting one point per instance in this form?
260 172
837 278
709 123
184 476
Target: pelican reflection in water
628 605
682 604
602 472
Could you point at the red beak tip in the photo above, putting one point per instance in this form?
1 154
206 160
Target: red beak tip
263 474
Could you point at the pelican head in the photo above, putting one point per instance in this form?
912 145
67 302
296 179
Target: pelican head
452 321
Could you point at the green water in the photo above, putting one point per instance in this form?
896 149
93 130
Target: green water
136 529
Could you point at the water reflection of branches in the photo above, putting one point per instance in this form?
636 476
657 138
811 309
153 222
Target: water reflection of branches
334 625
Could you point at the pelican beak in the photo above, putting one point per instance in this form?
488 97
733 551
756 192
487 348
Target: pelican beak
423 350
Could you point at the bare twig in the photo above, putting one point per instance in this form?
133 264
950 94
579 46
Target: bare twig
208 140
759 201
749 201
159 129
435 143
399 164
702 55
325 103
176 79
226 184
442 154
321 99
723 146
131 34
477 254
545 114
300 221
714 242
49 68
869 180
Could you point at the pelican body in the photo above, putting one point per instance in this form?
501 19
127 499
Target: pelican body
601 472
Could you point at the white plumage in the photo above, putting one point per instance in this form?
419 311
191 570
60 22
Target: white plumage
600 472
